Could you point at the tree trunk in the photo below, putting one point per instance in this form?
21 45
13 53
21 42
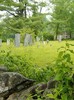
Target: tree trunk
25 10
70 35
57 28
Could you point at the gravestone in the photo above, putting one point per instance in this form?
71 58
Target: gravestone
17 40
8 41
44 42
59 38
47 41
0 42
42 39
37 39
28 40
38 45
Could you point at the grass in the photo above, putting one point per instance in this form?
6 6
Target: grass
39 53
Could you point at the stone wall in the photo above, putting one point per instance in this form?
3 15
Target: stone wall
14 86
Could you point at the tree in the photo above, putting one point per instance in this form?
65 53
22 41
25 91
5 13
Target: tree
23 15
62 16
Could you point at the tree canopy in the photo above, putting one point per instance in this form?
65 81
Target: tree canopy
27 16
62 17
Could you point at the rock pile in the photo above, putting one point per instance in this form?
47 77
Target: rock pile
12 82
14 86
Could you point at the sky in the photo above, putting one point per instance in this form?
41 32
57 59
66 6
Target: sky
45 9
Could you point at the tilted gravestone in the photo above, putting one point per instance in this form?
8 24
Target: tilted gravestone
17 40
8 41
28 40
0 42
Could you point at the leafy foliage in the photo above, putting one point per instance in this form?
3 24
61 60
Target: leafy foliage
24 66
64 74
62 16
62 71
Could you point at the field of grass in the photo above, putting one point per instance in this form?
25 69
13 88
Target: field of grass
39 54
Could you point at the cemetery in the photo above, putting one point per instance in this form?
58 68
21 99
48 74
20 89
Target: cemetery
29 60
36 50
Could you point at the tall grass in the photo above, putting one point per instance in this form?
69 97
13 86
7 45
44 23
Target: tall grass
39 54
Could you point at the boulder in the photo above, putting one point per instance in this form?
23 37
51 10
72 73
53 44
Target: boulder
42 89
22 95
11 82
14 86
38 90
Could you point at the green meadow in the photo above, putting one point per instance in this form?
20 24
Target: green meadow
38 54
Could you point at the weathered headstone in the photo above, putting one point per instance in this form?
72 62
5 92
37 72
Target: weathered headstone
0 42
8 41
28 40
47 41
42 39
17 40
38 45
37 39
44 42
59 38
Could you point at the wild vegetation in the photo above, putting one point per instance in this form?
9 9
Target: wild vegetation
35 59
40 61
61 68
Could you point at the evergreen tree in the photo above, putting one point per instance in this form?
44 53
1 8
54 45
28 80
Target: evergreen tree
23 16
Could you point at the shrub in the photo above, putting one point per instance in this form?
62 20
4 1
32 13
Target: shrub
48 36
63 73
24 66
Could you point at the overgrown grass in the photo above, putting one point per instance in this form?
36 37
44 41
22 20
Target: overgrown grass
34 61
39 54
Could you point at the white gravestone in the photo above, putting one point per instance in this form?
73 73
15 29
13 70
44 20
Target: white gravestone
0 42
28 40
17 40
42 39
37 39
8 41
47 41
59 38
44 42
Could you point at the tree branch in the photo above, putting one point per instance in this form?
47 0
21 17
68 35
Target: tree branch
11 13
